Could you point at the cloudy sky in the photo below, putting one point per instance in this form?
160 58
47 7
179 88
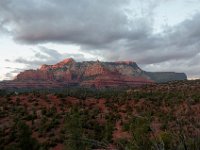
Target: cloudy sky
160 35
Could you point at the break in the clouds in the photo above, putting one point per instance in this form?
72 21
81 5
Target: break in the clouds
110 29
45 56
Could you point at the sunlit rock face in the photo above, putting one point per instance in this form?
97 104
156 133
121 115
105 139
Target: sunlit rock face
91 74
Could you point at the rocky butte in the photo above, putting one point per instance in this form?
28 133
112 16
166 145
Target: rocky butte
89 74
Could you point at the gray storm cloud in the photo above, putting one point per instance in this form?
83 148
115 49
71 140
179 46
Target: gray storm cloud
109 28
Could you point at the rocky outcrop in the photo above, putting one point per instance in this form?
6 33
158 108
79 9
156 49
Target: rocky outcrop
90 74
63 64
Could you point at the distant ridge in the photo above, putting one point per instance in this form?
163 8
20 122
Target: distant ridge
89 74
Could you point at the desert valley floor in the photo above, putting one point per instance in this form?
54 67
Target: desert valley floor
159 116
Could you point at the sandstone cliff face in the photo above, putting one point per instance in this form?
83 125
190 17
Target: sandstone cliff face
35 75
91 74
115 81
94 70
